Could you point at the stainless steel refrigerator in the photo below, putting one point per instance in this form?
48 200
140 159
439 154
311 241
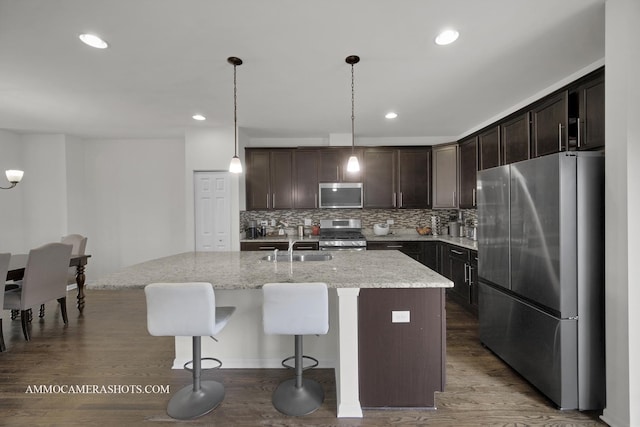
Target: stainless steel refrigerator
541 273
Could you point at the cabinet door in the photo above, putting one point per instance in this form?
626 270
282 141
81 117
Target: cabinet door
329 165
306 179
257 177
333 165
281 166
516 140
489 148
458 264
445 176
263 246
468 170
473 274
430 255
550 134
414 178
591 120
379 178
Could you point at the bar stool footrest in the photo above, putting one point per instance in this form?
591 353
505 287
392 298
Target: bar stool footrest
190 362
304 368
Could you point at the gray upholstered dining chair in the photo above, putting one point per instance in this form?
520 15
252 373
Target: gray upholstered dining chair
4 266
45 279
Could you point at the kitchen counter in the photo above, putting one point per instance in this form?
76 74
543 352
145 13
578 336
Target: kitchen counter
237 278
247 270
409 235
413 236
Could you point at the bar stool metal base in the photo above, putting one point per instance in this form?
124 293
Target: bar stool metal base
298 401
188 404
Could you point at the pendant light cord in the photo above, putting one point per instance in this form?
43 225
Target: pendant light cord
235 113
353 137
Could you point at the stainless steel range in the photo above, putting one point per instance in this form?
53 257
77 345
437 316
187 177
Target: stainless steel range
341 234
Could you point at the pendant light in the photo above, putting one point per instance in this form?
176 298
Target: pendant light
352 164
235 166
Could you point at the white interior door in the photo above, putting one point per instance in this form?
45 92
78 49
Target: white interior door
212 211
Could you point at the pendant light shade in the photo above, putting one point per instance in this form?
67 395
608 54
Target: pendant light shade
235 166
353 165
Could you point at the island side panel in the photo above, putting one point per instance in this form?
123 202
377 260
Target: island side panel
402 359
347 390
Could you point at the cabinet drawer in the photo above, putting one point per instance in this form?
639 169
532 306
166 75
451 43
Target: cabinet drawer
458 252
263 246
305 246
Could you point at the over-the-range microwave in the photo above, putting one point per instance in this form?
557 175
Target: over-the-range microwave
340 195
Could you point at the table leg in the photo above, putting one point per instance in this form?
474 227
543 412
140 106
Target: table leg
80 282
347 386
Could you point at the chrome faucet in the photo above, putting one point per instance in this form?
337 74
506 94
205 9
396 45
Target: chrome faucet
290 250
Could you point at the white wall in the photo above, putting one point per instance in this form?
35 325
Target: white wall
622 200
132 201
11 201
45 189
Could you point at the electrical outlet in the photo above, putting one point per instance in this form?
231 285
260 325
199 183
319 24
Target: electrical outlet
273 222
390 221
401 316
264 223
307 221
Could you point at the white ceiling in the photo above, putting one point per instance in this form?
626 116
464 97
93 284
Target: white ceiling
167 60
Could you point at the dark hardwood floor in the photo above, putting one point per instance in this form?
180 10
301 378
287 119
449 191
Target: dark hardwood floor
110 346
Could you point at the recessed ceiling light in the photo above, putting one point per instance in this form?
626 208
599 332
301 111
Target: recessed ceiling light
93 41
447 37
391 115
199 117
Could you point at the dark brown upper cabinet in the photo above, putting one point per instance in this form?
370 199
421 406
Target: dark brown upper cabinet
333 165
516 138
445 176
489 148
305 173
269 178
397 178
586 114
468 167
379 178
550 133
414 178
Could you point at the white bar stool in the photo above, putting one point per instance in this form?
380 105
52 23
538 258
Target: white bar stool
296 309
188 309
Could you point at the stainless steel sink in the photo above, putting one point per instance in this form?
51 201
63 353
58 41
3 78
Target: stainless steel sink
297 257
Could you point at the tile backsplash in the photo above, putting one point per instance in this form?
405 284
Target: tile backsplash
402 218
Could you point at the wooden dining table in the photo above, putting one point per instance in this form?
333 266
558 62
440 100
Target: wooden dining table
19 262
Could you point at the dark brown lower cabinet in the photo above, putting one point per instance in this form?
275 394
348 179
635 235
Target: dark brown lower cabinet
401 364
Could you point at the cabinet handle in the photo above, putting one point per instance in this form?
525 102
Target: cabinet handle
267 200
456 252
465 273
315 200
304 247
273 204
266 248
393 200
470 275
395 246
578 132
473 197
401 201
560 137
453 199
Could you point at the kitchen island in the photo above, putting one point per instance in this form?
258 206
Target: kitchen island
237 278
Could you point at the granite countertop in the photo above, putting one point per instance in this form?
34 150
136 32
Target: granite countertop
413 236
247 270
396 235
